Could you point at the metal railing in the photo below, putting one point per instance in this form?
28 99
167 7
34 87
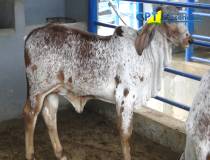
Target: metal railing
200 40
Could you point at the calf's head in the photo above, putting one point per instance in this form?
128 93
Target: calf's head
175 32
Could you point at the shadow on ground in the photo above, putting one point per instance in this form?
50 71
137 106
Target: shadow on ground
86 136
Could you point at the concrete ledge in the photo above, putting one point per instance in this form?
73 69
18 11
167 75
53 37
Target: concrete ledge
154 125
7 32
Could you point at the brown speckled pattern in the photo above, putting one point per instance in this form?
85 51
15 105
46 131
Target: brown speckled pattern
198 123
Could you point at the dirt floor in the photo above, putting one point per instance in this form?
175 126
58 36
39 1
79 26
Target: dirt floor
86 136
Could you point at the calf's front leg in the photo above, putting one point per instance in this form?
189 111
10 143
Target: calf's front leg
124 107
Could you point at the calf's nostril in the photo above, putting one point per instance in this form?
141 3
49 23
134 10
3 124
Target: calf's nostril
190 40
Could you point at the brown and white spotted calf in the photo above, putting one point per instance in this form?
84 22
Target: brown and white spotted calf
198 124
123 69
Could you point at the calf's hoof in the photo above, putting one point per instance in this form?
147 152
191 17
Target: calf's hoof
31 157
61 155
63 158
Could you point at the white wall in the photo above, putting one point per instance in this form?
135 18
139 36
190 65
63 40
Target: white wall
12 78
12 69
37 11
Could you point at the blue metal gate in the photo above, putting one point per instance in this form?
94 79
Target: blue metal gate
199 39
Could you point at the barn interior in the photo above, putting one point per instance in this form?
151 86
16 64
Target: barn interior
159 128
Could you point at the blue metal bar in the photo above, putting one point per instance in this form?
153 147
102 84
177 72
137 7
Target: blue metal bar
140 9
179 4
195 36
201 14
168 101
201 43
105 24
117 19
190 23
203 60
131 17
197 13
183 74
92 15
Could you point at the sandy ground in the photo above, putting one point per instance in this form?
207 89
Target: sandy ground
88 136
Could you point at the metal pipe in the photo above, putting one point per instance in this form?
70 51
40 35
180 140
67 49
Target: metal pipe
201 43
201 14
173 103
197 13
131 16
140 9
92 15
105 24
203 60
179 4
183 74
196 36
117 20
190 24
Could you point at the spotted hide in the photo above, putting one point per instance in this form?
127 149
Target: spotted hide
123 68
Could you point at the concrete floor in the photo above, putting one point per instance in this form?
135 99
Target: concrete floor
88 136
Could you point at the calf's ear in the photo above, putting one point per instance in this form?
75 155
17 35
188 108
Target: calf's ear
144 38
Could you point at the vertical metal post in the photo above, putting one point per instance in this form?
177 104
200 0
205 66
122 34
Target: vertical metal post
140 10
92 15
190 25
131 19
117 20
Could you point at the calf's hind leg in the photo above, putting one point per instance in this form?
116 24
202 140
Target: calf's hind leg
30 116
31 112
49 113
